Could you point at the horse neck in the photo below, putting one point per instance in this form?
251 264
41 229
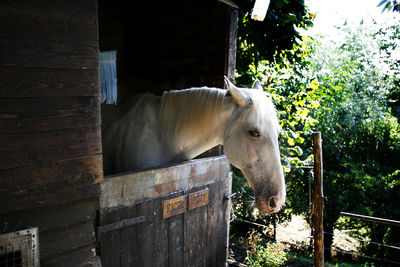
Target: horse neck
199 132
188 148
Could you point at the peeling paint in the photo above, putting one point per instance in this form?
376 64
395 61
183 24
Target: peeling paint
127 188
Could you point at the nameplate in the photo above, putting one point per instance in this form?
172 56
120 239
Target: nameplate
198 199
174 206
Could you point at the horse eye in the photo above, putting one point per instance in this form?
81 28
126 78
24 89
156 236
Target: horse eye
254 133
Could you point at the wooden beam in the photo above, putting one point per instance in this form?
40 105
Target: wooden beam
27 115
28 184
24 149
231 44
47 82
127 188
77 20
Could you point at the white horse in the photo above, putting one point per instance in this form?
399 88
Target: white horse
153 131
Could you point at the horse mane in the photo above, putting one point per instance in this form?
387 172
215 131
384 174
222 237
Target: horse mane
190 112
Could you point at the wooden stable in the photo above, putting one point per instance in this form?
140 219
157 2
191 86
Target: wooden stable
51 174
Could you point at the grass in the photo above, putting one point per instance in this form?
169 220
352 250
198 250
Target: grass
292 247
257 252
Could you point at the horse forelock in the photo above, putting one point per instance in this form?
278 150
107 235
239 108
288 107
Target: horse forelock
190 111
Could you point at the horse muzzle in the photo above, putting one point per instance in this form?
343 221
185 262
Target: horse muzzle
272 205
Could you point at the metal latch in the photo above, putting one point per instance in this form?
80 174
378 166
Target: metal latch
229 196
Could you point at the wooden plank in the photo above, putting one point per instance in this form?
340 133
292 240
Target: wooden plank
129 245
77 19
115 245
176 241
31 182
160 240
214 223
186 240
50 217
85 256
46 82
120 224
59 241
136 241
110 244
83 171
50 6
125 189
197 230
225 208
32 148
231 44
145 234
52 198
31 49
22 115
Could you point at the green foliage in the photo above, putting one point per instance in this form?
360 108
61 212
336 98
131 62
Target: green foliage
361 135
389 5
349 90
357 79
388 40
271 39
266 255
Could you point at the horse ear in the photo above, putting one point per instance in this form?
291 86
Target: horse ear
228 83
257 85
240 98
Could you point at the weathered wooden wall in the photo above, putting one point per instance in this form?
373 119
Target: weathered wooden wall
50 142
196 237
167 45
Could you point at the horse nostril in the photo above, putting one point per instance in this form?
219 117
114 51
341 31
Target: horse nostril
273 202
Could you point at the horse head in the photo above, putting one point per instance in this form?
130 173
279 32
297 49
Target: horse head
251 144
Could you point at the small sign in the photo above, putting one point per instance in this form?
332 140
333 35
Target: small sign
198 199
174 206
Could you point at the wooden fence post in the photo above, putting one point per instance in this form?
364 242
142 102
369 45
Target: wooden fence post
318 202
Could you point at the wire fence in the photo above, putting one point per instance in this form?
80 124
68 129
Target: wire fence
315 198
334 249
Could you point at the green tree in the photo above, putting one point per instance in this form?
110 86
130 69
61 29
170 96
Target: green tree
361 135
346 89
389 44
272 39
